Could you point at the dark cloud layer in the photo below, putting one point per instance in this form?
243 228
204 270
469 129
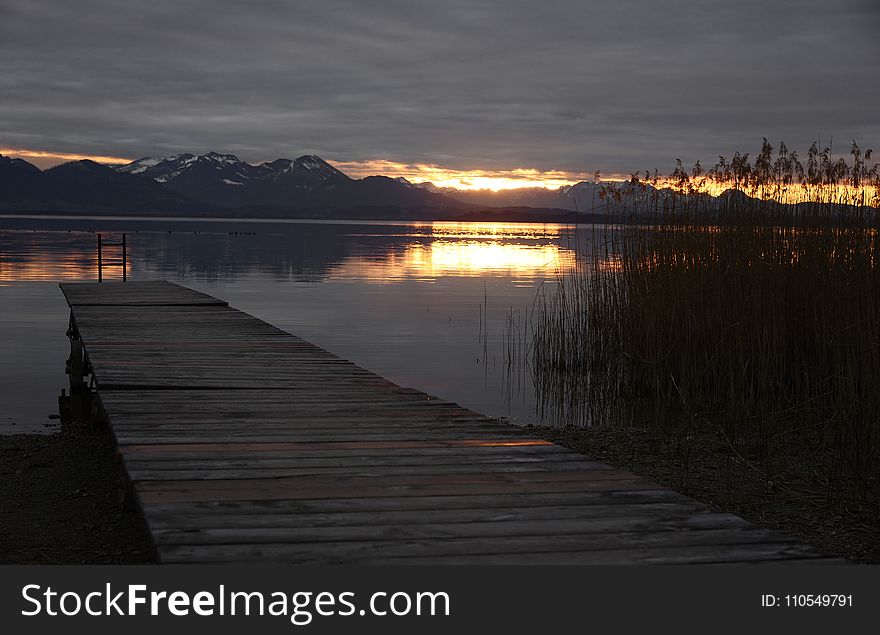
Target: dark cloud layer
495 84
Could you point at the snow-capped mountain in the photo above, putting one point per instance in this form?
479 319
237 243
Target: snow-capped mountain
160 169
308 169
227 181
216 166
224 180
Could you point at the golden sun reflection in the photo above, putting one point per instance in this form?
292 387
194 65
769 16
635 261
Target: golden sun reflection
62 267
513 231
465 250
56 258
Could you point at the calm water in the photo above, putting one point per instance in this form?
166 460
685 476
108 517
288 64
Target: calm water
423 304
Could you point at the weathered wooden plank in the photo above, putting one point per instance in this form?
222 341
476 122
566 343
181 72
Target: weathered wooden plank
305 462
363 440
144 293
319 427
766 552
173 444
423 503
408 430
359 471
246 517
271 489
349 455
230 402
679 524
322 421
371 550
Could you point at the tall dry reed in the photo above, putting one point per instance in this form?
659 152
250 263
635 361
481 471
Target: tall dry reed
756 313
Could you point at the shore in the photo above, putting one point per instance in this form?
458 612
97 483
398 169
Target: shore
62 502
703 466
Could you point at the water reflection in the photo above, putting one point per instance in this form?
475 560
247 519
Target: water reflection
47 257
515 231
439 328
55 256
429 261
462 249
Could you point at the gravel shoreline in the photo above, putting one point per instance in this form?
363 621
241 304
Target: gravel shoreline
61 501
703 466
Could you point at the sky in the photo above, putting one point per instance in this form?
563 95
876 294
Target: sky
537 92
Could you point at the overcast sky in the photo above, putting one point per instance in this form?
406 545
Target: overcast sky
573 85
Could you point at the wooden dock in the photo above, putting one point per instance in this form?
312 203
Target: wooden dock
242 442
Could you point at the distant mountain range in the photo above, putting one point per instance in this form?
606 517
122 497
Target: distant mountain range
82 186
222 184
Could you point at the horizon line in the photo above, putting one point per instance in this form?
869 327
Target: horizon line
440 176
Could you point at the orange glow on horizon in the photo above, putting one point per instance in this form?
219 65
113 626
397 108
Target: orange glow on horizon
51 158
792 193
463 179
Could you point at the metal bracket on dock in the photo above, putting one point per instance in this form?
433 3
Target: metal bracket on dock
77 368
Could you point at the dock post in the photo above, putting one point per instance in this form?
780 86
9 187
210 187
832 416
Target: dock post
75 361
80 395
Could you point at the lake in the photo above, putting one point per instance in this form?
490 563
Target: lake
426 305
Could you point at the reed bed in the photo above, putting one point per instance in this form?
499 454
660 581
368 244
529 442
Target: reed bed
755 314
